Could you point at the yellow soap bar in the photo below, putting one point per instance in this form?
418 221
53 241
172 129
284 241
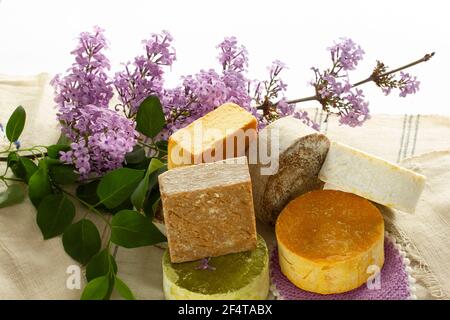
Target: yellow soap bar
222 133
330 241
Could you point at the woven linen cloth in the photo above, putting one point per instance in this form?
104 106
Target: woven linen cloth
31 268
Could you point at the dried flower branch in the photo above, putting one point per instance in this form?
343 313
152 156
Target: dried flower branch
337 96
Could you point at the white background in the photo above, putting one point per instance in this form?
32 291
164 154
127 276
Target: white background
37 36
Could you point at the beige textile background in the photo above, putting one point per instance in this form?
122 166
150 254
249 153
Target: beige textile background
31 268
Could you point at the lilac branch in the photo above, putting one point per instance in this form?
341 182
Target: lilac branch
372 77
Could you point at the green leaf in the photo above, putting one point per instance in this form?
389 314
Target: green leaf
150 118
136 156
152 202
82 241
126 205
53 150
63 174
162 146
15 124
101 264
116 186
13 195
97 289
138 196
51 162
22 167
154 177
39 185
64 140
12 162
137 159
29 167
130 229
154 165
123 290
88 192
55 214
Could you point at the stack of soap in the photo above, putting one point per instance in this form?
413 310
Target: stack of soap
290 155
222 133
208 209
330 241
355 171
236 276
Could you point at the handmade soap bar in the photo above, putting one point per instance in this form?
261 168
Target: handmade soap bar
378 180
295 155
330 241
208 209
235 276
222 133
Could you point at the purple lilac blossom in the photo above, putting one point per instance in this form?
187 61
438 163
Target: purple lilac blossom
359 109
408 84
100 140
204 265
346 54
203 92
274 89
144 76
86 82
100 137
333 87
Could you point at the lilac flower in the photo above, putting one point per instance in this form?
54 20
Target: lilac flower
204 265
270 95
276 67
232 56
386 90
208 89
86 81
100 139
304 116
357 111
388 81
346 54
333 86
284 108
408 84
144 76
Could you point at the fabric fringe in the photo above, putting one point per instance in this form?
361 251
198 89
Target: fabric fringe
407 264
416 264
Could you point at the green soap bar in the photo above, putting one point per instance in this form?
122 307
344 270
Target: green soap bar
234 275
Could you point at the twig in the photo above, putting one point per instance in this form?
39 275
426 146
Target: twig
425 58
29 156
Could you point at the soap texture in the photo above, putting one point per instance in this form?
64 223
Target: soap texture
222 133
297 152
386 183
330 241
235 276
208 209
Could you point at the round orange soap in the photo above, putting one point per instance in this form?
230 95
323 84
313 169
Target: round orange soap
330 241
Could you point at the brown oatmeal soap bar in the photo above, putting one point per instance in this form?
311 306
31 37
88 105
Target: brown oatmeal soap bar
208 209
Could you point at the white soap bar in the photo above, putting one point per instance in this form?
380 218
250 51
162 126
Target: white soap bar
373 178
